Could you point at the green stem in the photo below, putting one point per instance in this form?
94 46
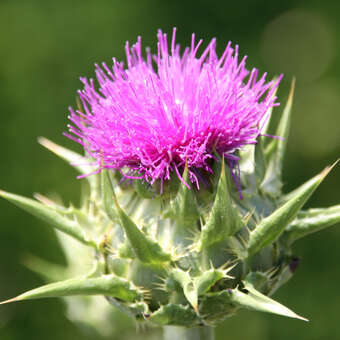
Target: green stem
183 333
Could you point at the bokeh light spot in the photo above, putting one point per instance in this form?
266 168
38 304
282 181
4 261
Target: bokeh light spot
298 43
316 119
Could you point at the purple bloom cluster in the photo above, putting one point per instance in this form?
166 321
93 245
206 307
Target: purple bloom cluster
159 112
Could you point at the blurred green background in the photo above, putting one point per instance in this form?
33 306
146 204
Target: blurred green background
45 46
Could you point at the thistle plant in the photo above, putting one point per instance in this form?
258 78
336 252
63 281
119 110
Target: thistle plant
183 212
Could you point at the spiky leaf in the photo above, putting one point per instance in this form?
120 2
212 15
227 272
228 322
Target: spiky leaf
267 117
49 215
224 219
184 212
208 278
216 306
187 284
271 227
172 314
108 195
312 221
145 249
276 149
109 285
260 162
252 299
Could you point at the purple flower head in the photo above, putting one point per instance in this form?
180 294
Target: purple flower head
159 112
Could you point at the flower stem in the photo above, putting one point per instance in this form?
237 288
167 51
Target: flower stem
183 333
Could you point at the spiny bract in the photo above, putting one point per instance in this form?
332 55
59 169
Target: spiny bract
186 256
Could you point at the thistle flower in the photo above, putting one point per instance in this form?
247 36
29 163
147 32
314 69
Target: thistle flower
171 108
190 258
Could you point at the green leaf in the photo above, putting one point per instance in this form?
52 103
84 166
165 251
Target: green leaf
301 188
275 151
285 274
268 115
258 279
271 227
260 162
312 221
224 219
172 314
108 285
184 212
145 249
134 310
189 288
252 299
216 306
208 278
49 215
108 195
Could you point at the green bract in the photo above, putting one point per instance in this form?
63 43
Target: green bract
185 257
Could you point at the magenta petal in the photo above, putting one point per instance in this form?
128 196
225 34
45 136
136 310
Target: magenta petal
167 109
